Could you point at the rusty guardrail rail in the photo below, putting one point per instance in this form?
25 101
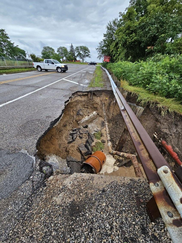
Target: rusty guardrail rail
165 186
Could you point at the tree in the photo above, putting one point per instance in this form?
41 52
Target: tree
47 52
104 47
71 55
82 52
19 53
145 28
35 58
63 52
8 49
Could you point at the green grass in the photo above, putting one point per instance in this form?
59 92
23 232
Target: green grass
18 70
98 135
97 80
81 63
145 97
98 146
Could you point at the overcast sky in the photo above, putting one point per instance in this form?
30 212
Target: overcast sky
33 24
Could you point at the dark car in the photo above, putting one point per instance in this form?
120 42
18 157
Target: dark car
92 63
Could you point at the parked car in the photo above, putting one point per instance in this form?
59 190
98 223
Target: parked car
50 64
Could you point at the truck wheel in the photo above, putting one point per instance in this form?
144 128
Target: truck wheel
59 70
39 69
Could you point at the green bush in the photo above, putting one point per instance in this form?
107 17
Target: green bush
161 75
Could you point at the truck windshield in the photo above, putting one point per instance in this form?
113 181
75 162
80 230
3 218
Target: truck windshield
55 61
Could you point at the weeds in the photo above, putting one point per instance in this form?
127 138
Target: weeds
97 80
161 75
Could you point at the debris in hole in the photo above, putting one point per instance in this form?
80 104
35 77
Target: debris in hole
83 150
59 165
94 163
109 165
138 110
45 168
121 161
89 118
74 164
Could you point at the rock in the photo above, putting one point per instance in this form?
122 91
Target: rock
46 168
89 148
90 139
59 165
74 164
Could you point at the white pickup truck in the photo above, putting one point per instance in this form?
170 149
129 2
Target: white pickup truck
50 64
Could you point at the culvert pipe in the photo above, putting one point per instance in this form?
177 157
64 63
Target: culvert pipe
94 162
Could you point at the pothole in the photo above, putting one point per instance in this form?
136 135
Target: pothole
81 130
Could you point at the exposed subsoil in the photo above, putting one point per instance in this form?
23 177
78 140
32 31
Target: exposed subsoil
83 118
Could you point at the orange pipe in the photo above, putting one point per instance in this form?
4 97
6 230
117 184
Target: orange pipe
96 161
171 152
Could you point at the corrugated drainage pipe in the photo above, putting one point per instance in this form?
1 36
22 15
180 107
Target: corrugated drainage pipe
94 163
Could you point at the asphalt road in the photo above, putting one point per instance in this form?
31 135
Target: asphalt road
30 101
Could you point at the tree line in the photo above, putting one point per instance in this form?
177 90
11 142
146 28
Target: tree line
63 54
146 27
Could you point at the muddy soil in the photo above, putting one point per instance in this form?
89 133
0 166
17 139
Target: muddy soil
83 117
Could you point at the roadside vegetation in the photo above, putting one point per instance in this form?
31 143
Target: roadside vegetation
160 75
97 80
16 70
145 49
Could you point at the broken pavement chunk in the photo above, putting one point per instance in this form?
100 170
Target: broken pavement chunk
74 164
90 138
84 150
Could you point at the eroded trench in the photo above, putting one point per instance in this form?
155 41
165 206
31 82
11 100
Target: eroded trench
81 130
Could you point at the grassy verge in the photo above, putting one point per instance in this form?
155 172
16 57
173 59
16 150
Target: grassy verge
144 96
97 80
18 70
81 63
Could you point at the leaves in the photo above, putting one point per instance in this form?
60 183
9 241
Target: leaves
82 52
8 49
144 29
47 52
161 75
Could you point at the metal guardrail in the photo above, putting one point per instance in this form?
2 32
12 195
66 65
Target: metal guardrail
165 186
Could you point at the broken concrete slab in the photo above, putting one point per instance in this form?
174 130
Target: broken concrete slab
59 165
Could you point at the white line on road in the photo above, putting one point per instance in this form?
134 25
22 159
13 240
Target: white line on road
23 96
70 81
73 82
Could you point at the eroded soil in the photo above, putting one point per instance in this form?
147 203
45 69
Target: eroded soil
83 116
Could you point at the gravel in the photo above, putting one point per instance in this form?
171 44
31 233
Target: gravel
89 208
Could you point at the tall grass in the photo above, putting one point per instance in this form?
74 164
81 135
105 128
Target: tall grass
14 63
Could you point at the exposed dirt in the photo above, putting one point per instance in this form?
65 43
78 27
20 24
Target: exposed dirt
83 115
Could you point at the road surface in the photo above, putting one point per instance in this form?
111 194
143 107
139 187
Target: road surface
30 101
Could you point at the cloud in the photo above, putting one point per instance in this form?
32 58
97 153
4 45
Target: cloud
33 24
